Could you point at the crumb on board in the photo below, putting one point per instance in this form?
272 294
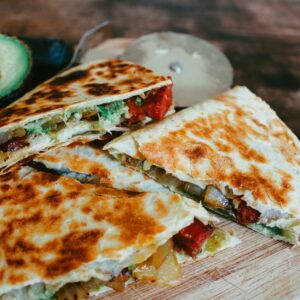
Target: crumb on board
232 231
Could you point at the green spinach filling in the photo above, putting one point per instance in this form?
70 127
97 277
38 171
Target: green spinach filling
110 114
276 232
98 118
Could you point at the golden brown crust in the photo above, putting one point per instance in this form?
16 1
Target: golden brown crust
51 225
174 148
234 140
90 159
79 85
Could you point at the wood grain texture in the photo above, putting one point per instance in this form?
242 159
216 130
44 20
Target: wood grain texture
257 268
261 38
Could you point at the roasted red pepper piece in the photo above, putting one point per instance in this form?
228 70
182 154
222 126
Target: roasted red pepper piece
155 106
136 111
14 144
159 103
192 237
246 215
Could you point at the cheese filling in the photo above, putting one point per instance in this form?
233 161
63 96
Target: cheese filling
40 134
212 199
153 269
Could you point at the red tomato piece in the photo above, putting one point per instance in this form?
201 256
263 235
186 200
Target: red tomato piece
246 215
136 112
155 106
158 104
192 237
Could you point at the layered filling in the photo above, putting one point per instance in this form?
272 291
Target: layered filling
162 267
118 115
229 206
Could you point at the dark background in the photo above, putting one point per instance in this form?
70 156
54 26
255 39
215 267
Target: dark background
260 37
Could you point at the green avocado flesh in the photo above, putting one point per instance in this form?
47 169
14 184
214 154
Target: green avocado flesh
15 64
211 198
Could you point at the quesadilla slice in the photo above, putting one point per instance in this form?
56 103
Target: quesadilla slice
60 237
84 102
89 163
232 153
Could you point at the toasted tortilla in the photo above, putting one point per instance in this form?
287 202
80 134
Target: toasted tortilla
88 162
55 230
50 209
66 98
234 142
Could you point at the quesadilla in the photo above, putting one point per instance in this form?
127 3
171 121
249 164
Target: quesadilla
60 237
89 163
84 102
231 152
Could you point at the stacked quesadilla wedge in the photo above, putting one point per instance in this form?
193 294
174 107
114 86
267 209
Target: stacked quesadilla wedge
232 153
82 103
60 237
88 163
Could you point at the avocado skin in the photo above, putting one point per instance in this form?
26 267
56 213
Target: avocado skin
17 93
48 57
19 88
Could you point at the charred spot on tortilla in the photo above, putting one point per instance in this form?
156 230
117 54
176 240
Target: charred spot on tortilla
8 176
56 94
54 198
231 152
197 151
122 65
73 195
132 81
72 250
80 102
19 262
132 223
26 189
6 113
31 101
102 173
15 278
99 89
71 77
46 109
46 177
68 232
5 187
50 94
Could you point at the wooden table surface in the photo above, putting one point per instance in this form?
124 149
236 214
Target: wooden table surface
261 38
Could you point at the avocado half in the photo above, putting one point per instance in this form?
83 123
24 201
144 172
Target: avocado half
15 67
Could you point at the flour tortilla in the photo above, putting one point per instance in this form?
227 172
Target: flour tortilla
82 88
56 230
233 141
88 162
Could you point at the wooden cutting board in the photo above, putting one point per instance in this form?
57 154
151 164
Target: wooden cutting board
257 268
